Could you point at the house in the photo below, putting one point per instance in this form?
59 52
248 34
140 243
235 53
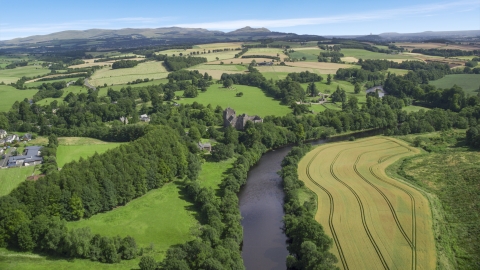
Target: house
31 157
205 146
3 133
144 118
27 137
11 138
238 122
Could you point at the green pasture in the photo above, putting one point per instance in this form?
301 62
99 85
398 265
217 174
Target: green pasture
364 54
68 153
150 70
310 54
162 218
117 87
413 108
294 44
212 173
253 102
275 75
12 75
71 89
323 87
9 95
470 83
12 177
225 67
38 83
397 71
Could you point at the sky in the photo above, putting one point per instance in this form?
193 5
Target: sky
26 18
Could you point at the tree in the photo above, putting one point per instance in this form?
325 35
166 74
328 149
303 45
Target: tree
312 89
221 151
357 88
227 83
194 134
147 263
329 79
76 207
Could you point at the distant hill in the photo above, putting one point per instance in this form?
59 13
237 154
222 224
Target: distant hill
249 30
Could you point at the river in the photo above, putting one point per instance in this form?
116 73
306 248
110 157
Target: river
261 207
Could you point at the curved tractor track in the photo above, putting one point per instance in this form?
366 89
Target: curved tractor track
386 254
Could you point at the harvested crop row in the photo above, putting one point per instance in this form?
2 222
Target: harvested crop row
376 222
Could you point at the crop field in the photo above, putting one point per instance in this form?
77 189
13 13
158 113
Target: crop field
210 56
275 75
11 178
266 51
219 67
241 61
12 75
411 46
320 67
9 95
231 45
253 101
470 83
376 222
364 54
151 70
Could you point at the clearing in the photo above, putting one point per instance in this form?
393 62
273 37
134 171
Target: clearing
11 178
74 148
375 221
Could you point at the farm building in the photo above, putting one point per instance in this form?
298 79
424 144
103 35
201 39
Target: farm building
205 146
11 138
30 157
144 118
238 122
27 137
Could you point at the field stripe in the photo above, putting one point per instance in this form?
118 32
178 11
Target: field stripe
362 209
330 219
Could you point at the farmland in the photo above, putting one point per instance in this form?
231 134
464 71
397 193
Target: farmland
10 95
151 70
364 54
71 148
12 75
252 102
375 221
470 83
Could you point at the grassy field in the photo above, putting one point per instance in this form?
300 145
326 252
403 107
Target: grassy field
253 101
397 71
68 153
375 221
9 95
266 51
38 83
11 178
364 54
329 89
226 67
310 54
413 108
468 82
449 176
212 173
12 75
118 87
151 70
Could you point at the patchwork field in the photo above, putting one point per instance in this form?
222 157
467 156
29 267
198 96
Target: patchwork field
376 222
12 75
151 70
9 95
241 61
253 101
411 46
11 178
320 67
470 83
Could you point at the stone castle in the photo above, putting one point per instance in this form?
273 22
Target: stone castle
231 119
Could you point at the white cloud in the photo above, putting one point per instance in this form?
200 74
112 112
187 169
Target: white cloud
370 16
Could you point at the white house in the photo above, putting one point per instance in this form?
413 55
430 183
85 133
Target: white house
144 118
3 133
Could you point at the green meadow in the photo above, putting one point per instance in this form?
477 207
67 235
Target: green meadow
12 75
69 153
309 54
253 102
470 83
150 70
38 83
9 95
364 54
11 178
413 108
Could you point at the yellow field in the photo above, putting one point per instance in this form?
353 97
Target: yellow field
376 222
151 70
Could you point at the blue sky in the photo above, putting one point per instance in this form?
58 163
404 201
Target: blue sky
25 18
